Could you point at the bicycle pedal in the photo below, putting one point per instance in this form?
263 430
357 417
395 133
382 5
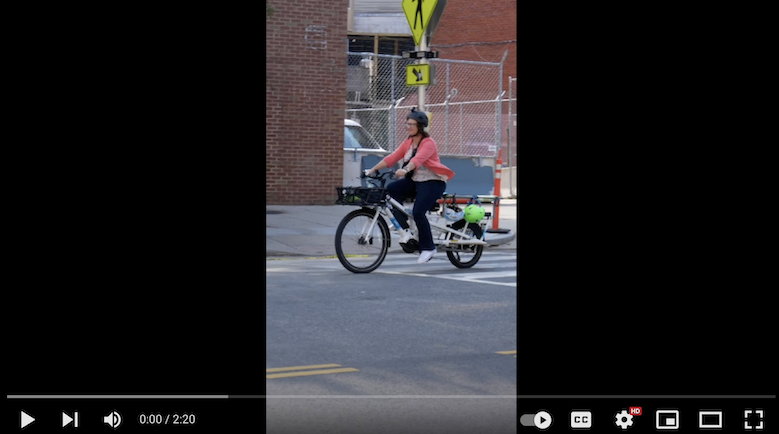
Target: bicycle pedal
411 246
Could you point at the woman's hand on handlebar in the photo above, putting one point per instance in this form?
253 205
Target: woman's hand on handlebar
375 174
379 179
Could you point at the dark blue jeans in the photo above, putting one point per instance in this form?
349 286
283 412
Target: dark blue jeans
426 193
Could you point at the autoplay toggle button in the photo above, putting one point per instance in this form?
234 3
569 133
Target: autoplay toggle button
541 420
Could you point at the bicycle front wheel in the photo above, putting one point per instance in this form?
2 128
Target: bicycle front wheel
360 248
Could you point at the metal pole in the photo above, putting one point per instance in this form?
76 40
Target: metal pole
448 94
461 128
500 109
375 70
393 121
508 143
423 61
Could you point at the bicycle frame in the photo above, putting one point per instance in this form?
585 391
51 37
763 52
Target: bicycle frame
464 239
385 211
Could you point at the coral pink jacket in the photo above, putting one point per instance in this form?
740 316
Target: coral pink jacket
427 155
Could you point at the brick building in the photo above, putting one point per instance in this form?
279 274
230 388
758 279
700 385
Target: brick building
305 84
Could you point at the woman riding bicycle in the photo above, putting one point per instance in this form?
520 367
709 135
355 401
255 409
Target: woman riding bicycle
422 175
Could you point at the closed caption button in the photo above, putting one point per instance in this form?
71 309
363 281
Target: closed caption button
581 419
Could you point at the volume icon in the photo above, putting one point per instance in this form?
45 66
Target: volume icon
113 419
67 419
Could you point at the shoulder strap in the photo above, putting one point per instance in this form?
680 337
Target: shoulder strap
414 152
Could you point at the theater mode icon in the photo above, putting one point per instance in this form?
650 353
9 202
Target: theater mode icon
710 419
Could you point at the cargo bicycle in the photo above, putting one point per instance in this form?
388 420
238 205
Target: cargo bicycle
363 237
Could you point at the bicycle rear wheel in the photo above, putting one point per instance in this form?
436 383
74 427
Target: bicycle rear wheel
465 256
359 251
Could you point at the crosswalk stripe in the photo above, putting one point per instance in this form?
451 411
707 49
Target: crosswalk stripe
307 373
472 276
450 269
490 282
448 276
443 260
491 265
445 267
435 263
300 368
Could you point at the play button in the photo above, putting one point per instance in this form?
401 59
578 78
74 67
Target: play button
26 419
542 420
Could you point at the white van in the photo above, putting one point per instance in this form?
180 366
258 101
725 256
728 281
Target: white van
358 143
356 137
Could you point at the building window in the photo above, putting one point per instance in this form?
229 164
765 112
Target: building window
387 44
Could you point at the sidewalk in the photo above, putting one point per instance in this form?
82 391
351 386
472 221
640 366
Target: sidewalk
298 230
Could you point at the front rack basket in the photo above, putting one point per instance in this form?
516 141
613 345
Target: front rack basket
361 196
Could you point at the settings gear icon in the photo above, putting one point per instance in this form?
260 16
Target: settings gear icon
623 420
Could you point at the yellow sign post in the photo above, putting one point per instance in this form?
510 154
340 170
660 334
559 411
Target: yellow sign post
418 14
418 74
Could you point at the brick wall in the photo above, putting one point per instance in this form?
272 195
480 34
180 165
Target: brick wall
305 90
488 21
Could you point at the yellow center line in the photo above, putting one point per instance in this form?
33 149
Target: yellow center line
298 368
506 352
317 372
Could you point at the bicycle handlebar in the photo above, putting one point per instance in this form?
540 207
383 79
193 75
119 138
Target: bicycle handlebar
383 177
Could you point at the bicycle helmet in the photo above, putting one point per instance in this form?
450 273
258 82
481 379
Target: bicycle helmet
473 213
420 117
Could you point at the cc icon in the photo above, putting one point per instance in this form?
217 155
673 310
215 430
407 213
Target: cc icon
581 419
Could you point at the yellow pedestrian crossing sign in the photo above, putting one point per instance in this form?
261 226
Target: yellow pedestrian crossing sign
418 14
418 74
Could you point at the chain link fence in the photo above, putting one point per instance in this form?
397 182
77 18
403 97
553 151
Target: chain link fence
465 101
511 136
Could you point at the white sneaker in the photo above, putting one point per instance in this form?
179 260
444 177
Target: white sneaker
405 235
425 256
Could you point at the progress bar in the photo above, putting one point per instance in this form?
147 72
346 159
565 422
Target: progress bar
647 396
507 396
390 396
117 396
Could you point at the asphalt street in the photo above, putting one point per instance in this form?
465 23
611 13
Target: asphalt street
407 348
